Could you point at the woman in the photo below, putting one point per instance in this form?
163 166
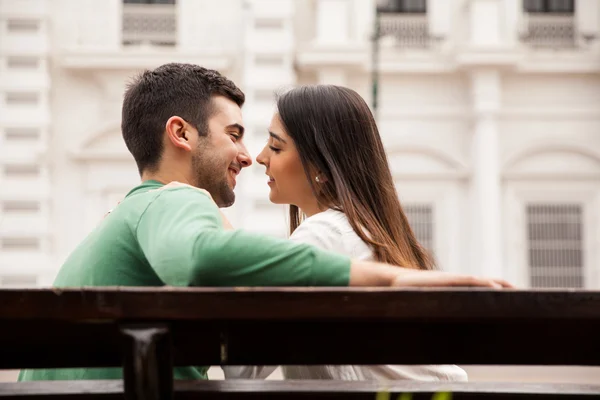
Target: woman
326 160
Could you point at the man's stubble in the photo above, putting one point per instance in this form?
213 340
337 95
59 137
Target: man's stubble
211 173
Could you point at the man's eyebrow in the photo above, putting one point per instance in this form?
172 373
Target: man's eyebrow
239 128
276 137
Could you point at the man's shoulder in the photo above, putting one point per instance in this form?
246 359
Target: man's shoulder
174 193
137 203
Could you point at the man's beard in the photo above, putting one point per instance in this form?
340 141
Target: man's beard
209 176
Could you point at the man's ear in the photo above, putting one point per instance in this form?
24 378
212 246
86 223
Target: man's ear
178 133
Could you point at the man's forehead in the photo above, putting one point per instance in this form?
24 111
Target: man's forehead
226 111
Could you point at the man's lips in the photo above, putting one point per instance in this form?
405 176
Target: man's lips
234 172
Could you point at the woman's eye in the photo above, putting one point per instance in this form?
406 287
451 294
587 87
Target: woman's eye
274 149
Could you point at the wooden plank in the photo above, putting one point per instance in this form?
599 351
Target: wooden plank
292 390
109 304
246 342
80 327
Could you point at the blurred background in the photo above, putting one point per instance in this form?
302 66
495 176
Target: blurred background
489 110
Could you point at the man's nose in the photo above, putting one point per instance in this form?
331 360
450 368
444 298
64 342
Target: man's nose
244 157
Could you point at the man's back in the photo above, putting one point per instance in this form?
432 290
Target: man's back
175 237
110 256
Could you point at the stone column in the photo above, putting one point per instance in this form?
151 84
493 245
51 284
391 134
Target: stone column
486 240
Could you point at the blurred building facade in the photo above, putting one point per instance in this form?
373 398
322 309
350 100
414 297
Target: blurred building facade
489 109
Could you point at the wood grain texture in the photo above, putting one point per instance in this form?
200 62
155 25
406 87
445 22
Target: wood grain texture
105 304
241 326
301 390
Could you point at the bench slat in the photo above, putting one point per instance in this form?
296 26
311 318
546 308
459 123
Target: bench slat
244 326
516 342
315 389
105 304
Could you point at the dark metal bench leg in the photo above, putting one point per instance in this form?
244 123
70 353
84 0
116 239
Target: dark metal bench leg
147 365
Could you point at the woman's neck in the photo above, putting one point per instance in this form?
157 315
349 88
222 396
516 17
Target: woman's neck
312 208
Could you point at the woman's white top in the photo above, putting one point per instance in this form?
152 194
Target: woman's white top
331 230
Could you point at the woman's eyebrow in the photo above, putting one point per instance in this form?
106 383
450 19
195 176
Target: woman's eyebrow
276 137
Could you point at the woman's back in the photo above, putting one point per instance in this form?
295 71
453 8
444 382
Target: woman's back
331 230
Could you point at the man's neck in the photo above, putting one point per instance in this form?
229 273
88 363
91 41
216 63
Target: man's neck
166 177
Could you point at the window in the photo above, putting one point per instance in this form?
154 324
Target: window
420 218
149 1
264 96
18 281
23 25
265 60
404 21
555 243
268 23
21 171
22 62
21 134
20 244
549 6
151 22
20 206
22 98
402 6
549 24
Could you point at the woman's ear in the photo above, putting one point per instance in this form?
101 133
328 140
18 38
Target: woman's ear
320 178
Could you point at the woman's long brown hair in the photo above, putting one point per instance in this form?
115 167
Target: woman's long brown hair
336 136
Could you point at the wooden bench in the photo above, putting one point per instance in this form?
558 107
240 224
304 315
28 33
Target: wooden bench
148 330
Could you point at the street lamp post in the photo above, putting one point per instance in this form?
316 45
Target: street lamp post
375 61
382 7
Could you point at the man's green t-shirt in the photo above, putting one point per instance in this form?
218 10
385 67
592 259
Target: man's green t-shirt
175 237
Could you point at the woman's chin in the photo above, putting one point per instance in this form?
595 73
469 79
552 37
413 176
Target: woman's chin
273 198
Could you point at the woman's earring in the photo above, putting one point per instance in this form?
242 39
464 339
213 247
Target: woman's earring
317 179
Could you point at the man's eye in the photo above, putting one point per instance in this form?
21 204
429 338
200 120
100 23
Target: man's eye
234 137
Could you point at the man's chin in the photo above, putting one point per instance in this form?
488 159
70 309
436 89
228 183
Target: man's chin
226 199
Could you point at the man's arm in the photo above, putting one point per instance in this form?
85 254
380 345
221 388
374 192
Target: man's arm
365 273
181 235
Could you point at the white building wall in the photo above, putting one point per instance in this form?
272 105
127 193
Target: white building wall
25 121
480 117
464 118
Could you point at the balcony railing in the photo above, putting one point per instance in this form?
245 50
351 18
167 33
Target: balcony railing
154 24
549 30
407 30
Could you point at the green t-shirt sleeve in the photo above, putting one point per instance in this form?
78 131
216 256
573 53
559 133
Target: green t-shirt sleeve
181 234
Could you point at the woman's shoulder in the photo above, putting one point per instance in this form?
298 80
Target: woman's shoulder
329 216
324 230
326 221
331 230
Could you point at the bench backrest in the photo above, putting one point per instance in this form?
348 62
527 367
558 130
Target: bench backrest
96 327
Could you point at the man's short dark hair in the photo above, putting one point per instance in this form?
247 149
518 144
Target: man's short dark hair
172 89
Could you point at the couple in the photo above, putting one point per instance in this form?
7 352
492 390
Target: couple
183 123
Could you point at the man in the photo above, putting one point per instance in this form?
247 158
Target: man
183 123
